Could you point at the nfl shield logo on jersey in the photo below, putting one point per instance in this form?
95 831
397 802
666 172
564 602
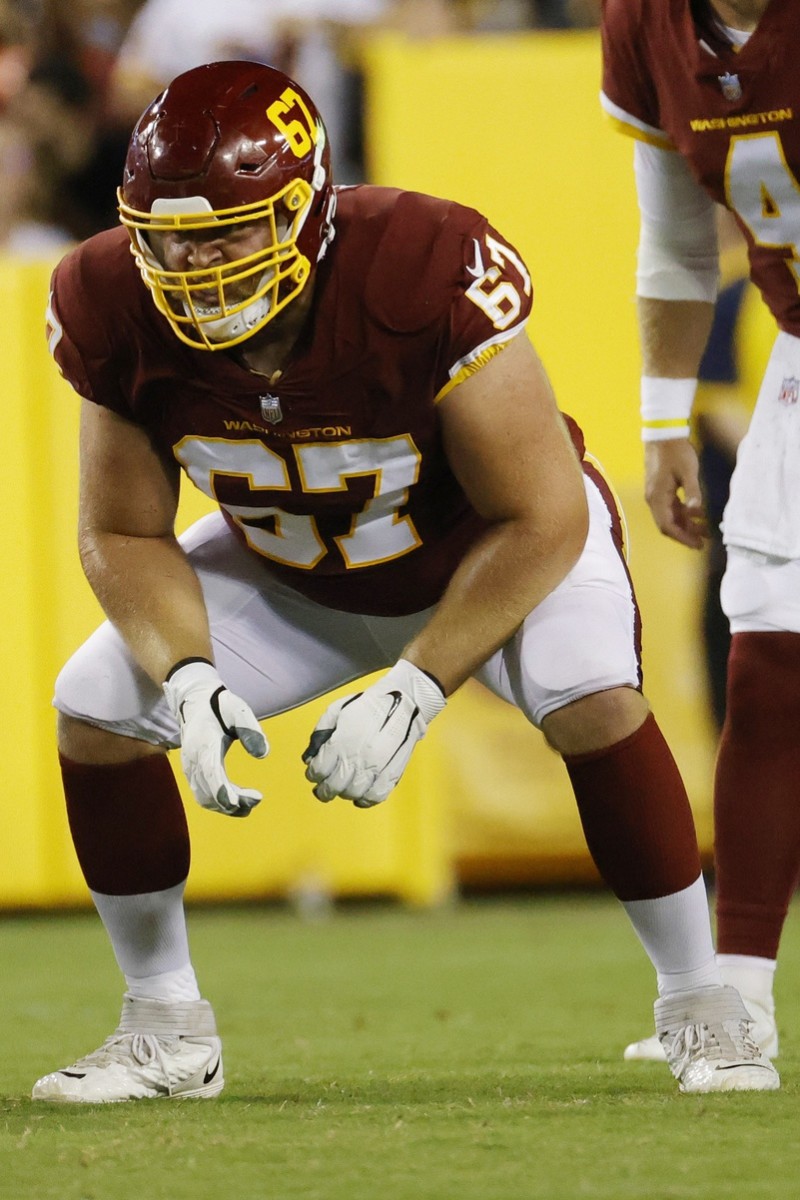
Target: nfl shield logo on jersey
271 408
731 88
790 391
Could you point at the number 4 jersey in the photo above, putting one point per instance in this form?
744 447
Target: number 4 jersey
335 476
672 77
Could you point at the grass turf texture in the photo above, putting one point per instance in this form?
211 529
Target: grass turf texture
472 1053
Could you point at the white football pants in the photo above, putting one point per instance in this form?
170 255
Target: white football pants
761 528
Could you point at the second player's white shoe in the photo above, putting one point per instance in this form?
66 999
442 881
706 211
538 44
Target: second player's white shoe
764 1032
708 1042
647 1049
159 1050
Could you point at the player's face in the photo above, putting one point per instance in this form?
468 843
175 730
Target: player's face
217 278
210 249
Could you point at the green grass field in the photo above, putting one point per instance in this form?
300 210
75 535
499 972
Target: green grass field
472 1053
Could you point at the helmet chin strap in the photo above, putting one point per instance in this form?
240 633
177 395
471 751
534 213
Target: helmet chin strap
224 328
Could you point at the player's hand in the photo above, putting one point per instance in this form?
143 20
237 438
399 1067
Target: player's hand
360 746
210 719
672 489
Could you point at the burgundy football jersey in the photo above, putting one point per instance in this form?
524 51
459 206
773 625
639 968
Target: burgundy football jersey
336 476
671 77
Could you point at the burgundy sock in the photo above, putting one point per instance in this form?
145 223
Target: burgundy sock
757 794
128 824
636 816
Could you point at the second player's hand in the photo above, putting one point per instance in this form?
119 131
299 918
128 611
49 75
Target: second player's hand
672 490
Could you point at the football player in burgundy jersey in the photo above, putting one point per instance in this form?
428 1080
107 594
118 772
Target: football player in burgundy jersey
346 374
710 90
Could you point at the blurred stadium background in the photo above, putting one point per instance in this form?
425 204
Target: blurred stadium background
511 124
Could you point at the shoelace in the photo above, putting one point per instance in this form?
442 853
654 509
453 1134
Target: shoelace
691 1041
143 1048
743 1041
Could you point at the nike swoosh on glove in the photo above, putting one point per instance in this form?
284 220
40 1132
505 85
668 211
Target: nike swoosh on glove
361 745
210 719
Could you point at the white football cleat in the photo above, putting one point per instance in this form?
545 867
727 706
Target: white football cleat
159 1050
764 1032
648 1049
708 1043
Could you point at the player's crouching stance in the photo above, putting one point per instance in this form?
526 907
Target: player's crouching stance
398 492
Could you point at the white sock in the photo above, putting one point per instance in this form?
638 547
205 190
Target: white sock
148 933
752 977
169 985
676 933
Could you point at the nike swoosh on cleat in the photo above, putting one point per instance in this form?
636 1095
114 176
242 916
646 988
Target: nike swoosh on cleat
73 1074
209 1075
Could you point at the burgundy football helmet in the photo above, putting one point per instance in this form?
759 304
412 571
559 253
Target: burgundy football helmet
227 143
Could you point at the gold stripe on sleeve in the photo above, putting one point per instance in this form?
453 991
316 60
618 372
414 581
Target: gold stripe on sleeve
652 139
469 368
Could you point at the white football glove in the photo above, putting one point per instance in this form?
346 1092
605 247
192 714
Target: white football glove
360 746
210 719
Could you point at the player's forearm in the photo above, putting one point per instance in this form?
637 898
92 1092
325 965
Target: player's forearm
504 577
673 336
149 591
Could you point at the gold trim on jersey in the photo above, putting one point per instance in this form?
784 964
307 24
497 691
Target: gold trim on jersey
631 126
470 368
641 135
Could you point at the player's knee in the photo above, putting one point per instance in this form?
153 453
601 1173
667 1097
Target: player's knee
84 743
109 710
596 722
87 684
745 590
761 594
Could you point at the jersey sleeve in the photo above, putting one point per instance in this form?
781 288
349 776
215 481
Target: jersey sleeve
628 96
491 303
78 338
442 274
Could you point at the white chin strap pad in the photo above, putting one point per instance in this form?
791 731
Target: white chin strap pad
224 328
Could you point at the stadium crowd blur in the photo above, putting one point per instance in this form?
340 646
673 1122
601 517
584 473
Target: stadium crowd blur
75 74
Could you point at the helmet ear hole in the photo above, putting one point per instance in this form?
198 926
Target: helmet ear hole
293 200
